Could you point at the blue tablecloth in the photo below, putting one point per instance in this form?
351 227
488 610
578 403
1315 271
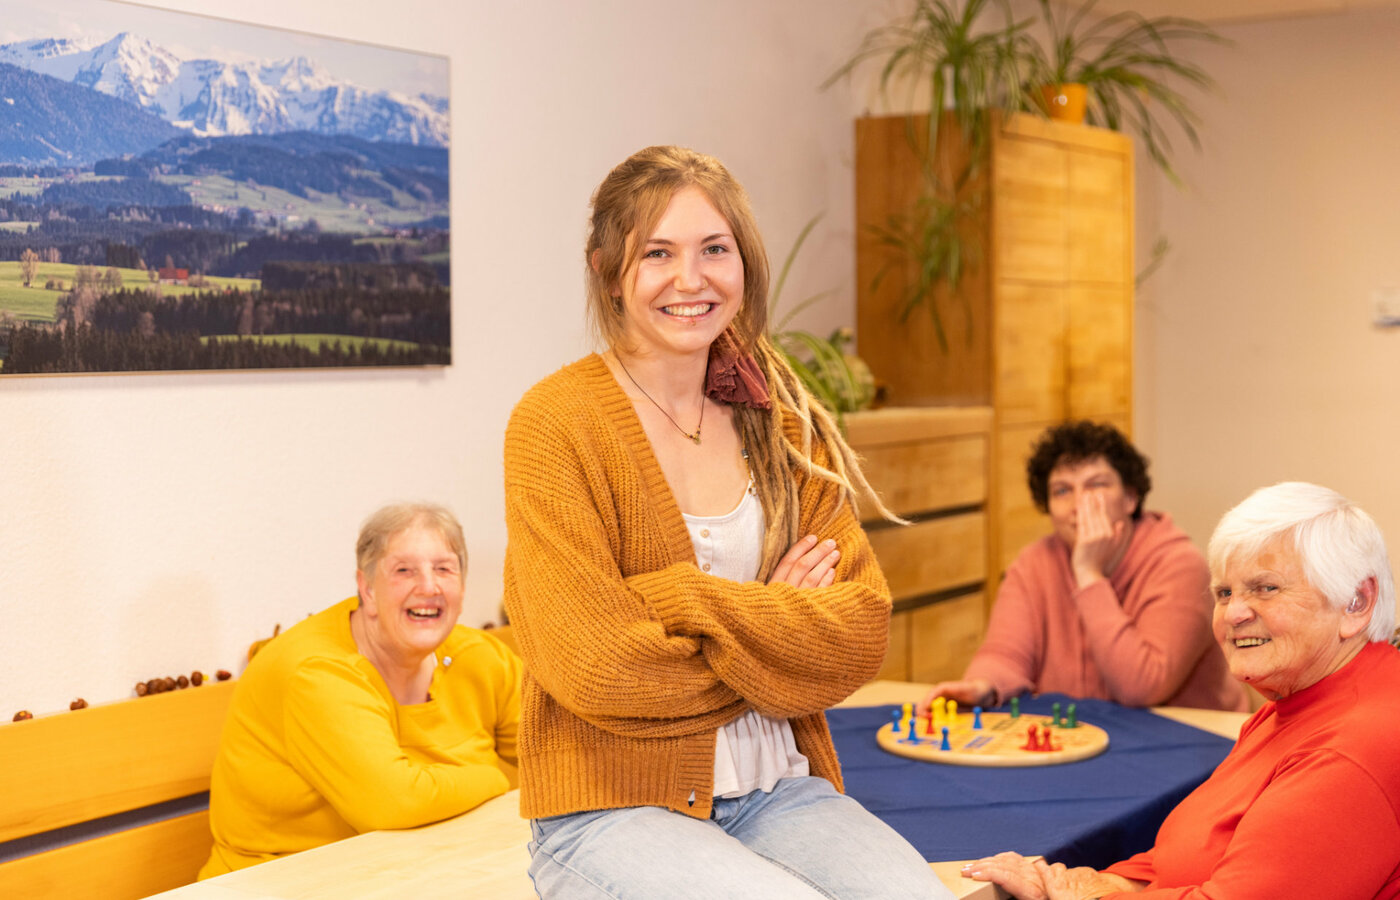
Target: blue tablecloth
1088 813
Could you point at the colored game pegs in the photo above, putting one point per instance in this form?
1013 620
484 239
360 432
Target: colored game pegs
897 718
1055 714
1072 719
1015 707
976 718
952 712
946 745
940 713
911 735
1039 739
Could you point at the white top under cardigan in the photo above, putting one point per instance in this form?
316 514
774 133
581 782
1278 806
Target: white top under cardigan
753 751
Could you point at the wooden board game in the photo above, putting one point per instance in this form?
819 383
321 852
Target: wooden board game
1002 740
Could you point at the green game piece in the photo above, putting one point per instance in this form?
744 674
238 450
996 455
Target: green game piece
1015 707
1073 720
1055 714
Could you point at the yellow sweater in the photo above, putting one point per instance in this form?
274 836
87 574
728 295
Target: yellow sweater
634 658
316 749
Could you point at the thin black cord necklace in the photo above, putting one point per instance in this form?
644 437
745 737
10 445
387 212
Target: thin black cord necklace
694 437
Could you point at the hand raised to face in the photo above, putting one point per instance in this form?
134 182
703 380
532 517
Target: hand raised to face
1100 539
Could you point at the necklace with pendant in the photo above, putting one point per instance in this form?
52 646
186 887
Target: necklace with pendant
695 437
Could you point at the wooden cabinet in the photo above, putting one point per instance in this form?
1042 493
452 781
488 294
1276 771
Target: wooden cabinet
930 465
1040 330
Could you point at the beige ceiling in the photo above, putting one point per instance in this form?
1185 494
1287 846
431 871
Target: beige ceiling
1238 10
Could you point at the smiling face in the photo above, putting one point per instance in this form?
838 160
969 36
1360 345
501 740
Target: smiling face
1279 633
413 596
688 284
1070 483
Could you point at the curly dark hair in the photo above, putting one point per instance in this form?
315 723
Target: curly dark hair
1077 442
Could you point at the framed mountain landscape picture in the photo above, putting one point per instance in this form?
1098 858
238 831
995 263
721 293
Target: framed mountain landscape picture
185 193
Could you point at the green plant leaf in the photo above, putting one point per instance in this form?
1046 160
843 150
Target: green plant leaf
820 364
777 291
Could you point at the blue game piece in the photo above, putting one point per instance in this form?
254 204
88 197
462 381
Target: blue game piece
896 715
976 718
945 745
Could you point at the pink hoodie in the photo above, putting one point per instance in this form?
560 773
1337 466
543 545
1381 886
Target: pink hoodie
1141 637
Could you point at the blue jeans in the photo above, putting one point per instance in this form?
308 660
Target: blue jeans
802 841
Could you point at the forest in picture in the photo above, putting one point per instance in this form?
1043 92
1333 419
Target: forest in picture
269 200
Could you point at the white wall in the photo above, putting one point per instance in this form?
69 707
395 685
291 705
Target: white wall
154 524
1257 359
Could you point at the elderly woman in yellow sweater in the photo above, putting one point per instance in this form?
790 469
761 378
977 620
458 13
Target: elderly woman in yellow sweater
379 712
688 578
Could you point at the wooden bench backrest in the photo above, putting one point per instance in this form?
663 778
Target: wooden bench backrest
80 766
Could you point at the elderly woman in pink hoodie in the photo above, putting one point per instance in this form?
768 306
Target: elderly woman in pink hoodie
1113 605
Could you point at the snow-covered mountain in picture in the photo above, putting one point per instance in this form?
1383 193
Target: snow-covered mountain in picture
214 98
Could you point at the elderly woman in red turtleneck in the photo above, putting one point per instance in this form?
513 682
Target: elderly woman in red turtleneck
1307 804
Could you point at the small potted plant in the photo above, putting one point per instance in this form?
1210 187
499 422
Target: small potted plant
1122 72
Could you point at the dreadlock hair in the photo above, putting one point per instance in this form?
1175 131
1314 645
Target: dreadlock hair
625 209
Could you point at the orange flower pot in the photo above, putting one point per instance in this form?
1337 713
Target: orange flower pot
1065 102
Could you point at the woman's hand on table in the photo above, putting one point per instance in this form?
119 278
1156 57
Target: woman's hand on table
1012 872
1081 882
809 563
968 692
1035 879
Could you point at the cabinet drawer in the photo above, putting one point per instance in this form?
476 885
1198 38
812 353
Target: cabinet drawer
932 556
919 476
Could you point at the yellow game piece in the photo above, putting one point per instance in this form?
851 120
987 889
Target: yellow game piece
939 713
909 719
953 713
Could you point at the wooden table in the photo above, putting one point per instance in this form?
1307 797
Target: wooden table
482 853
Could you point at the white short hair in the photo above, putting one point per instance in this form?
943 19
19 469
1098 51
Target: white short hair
1339 545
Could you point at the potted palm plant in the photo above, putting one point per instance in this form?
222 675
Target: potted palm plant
1123 72
1124 69
964 68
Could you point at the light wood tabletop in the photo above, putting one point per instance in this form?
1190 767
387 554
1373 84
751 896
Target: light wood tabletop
482 853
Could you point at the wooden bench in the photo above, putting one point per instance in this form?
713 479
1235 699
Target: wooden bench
82 794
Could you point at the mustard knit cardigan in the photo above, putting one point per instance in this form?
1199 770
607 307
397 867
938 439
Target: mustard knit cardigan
634 658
